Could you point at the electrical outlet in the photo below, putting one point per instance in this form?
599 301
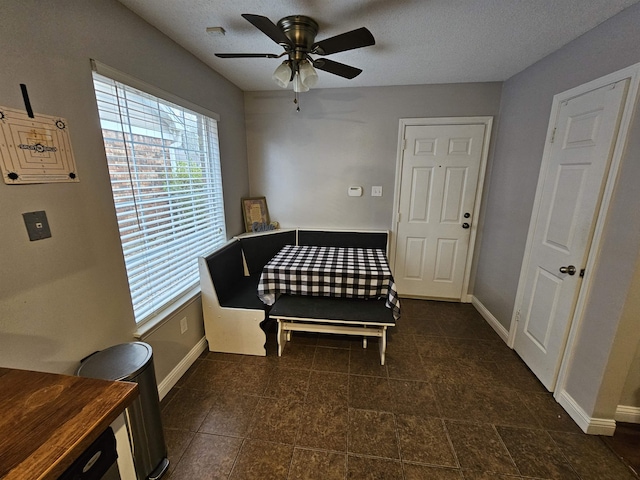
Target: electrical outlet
376 191
183 325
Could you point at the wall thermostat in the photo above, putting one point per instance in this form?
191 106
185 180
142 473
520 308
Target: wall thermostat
355 191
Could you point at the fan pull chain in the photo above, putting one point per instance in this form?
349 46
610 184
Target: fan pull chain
296 101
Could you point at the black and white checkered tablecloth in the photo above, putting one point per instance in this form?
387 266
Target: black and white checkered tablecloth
329 271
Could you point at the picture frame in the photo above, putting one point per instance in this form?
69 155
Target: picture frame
254 210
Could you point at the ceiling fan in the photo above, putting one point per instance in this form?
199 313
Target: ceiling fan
296 34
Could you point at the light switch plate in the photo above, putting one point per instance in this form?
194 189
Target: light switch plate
376 191
37 225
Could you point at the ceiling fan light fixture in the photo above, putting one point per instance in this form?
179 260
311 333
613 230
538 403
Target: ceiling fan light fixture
298 85
282 74
308 74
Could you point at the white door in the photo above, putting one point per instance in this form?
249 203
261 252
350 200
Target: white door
440 168
570 189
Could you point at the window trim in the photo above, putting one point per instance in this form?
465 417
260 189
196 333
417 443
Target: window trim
152 324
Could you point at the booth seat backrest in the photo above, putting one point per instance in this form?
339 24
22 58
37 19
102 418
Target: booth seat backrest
226 269
343 239
260 249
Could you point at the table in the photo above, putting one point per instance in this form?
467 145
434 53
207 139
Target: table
47 420
329 272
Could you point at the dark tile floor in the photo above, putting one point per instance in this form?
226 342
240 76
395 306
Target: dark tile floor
452 402
626 443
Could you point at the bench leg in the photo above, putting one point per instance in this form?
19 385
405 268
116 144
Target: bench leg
382 342
364 342
281 340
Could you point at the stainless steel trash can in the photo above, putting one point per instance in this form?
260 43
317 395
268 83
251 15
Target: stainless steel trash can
133 362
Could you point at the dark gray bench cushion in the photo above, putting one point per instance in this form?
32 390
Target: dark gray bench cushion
343 239
258 250
332 308
245 295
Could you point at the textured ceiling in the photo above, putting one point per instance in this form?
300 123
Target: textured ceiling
417 41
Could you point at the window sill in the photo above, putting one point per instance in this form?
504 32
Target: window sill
154 323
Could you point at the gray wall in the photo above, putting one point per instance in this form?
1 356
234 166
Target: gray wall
65 297
631 392
303 162
602 357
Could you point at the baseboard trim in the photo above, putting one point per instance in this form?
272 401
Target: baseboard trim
181 368
491 320
589 425
628 414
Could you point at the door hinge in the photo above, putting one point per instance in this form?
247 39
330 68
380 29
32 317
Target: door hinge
518 316
553 135
404 144
399 217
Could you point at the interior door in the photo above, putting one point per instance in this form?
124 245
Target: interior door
570 189
440 168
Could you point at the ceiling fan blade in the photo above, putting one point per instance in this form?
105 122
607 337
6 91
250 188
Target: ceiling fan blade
247 55
269 28
336 68
358 38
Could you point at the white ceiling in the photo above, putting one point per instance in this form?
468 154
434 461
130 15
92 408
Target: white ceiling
417 41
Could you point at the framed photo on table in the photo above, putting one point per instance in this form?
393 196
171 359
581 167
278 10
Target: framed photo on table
254 210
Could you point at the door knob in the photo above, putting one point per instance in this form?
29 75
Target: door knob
465 225
571 270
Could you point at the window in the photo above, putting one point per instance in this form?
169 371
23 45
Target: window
164 165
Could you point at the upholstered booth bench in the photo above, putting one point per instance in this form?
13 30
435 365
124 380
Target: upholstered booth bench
346 316
233 313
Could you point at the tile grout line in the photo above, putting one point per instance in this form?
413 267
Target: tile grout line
504 445
450 442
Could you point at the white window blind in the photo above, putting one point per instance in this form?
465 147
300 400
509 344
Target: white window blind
164 164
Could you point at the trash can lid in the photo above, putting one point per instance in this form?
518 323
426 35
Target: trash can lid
120 362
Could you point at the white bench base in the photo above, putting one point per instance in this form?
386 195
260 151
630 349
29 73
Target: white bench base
345 316
286 325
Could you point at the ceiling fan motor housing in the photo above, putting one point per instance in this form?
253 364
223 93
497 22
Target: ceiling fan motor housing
302 31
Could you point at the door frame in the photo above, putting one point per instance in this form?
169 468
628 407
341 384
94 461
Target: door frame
487 121
633 74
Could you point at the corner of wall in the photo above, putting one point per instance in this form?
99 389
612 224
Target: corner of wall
589 425
502 332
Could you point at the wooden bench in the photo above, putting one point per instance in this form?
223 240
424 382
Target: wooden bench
346 316
231 308
233 313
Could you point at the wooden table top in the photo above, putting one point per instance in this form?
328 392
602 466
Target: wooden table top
47 420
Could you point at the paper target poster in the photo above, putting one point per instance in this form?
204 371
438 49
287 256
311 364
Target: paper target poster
35 150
